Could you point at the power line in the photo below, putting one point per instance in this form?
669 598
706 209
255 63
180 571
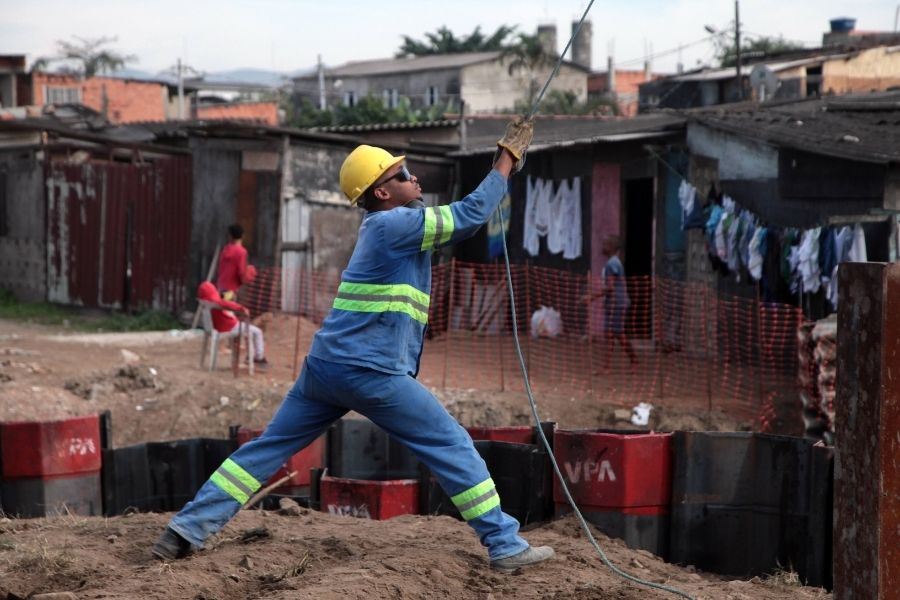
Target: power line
667 52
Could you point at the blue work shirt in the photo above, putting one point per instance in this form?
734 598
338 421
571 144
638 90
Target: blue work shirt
379 316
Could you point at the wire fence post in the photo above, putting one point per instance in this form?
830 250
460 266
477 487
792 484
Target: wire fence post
708 353
527 318
659 336
759 356
299 316
589 321
501 326
449 323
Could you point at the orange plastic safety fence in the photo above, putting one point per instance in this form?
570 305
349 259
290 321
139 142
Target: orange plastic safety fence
666 342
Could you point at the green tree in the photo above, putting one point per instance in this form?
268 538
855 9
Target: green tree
726 50
527 56
88 55
367 110
305 116
565 102
444 41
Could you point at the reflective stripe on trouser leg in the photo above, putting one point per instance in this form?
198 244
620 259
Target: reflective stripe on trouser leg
411 414
235 481
477 500
301 418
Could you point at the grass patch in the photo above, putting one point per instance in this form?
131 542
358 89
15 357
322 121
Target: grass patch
45 313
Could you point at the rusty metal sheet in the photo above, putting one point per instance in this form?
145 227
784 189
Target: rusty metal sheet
118 234
867 446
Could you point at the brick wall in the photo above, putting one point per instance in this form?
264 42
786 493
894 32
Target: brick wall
123 101
266 112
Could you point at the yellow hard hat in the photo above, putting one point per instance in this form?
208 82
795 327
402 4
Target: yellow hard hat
362 168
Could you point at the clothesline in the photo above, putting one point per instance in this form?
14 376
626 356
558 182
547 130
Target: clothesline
737 237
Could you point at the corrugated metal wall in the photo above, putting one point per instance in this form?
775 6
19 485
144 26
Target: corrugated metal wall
118 235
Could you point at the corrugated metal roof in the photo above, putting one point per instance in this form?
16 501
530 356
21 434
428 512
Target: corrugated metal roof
860 127
731 72
406 65
482 134
387 126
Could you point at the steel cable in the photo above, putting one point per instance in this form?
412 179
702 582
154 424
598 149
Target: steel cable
534 411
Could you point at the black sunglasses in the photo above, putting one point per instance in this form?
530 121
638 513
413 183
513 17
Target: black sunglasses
402 175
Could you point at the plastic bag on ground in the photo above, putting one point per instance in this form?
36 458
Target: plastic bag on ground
546 322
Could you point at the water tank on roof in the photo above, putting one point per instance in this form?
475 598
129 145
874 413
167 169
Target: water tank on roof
842 25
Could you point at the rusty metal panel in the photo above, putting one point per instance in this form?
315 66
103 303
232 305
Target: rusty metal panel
118 234
867 445
74 201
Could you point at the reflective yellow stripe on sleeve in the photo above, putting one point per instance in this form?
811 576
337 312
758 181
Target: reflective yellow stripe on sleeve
439 226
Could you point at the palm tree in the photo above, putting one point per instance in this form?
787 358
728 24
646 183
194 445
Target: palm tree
444 41
88 54
528 55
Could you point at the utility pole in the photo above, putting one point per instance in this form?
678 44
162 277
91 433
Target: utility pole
180 69
737 47
321 68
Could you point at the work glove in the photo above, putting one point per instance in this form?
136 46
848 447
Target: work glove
515 140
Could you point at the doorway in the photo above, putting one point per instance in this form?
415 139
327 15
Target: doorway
638 255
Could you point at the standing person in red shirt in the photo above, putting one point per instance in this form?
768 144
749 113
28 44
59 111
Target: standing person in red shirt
233 269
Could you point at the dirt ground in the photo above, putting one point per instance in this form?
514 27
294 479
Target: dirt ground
155 390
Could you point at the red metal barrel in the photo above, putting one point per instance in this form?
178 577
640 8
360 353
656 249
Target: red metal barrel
621 482
367 499
51 467
49 448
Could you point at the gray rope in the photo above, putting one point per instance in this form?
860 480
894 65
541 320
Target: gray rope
534 411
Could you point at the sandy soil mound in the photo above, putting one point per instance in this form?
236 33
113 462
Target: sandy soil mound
319 556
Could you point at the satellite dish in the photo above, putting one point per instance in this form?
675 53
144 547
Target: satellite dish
764 82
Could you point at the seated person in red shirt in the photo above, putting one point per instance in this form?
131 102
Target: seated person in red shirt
233 269
228 325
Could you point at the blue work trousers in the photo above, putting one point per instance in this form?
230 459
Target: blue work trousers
400 405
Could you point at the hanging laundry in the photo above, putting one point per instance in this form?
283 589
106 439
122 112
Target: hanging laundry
789 238
827 258
721 246
530 239
686 197
733 249
808 261
843 239
554 215
747 234
715 215
857 252
537 214
572 216
755 253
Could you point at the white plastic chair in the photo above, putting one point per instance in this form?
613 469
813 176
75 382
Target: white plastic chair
211 338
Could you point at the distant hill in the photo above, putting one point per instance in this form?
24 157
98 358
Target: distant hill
260 77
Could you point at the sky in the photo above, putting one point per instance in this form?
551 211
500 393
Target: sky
287 35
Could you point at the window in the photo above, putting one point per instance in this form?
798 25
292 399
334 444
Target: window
431 96
350 98
62 95
391 98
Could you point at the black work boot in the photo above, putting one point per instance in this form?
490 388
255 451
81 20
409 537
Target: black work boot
528 557
171 546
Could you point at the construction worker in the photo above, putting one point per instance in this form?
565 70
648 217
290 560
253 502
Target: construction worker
366 355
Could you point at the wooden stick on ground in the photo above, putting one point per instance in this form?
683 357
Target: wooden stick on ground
267 490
